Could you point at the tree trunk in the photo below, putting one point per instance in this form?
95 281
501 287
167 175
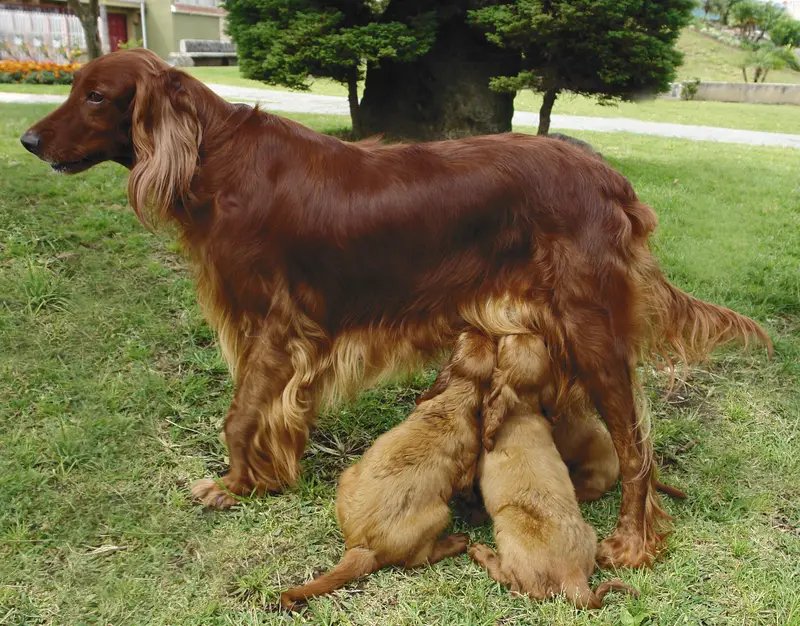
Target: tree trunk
764 76
93 47
445 93
744 73
88 16
352 99
757 75
545 110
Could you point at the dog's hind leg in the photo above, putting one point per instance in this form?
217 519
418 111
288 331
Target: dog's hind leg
596 341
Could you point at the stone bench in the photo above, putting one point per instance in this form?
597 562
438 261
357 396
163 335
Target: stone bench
204 52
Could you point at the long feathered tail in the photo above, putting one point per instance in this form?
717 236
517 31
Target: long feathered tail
355 563
689 328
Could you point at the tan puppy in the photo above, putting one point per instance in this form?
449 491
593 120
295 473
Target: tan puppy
544 547
586 447
580 436
393 505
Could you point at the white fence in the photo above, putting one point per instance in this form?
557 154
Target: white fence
40 36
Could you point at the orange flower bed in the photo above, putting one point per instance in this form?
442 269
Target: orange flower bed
36 73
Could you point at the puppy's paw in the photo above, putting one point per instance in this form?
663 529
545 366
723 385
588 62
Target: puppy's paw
481 554
459 541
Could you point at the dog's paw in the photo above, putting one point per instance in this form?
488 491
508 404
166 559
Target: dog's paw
288 603
624 549
212 495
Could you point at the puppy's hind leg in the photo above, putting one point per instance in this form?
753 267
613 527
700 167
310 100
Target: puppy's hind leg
355 563
429 553
452 545
489 560
594 599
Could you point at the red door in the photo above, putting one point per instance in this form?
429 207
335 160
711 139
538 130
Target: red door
117 30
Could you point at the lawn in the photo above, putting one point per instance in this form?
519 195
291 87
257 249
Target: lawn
762 117
709 59
112 394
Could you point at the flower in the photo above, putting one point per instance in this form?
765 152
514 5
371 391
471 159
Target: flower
15 71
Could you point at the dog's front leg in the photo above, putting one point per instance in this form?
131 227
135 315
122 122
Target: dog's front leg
268 424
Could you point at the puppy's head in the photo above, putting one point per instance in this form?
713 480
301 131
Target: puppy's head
522 374
473 358
523 361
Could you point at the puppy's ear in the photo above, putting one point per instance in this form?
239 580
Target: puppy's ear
500 400
166 137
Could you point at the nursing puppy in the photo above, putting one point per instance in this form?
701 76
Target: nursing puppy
393 505
587 449
582 440
544 547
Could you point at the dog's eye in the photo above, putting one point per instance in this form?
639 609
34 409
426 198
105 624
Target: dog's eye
94 97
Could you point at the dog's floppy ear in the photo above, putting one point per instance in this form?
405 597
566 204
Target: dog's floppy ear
439 385
166 137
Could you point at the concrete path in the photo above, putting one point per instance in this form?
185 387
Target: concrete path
337 105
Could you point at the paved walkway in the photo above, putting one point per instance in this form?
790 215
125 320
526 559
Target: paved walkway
337 105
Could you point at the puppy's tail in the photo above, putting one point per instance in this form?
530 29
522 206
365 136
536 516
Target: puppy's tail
588 599
355 563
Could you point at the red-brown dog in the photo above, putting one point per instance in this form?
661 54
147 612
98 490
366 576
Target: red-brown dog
325 266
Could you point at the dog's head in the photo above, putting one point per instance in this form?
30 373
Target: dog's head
132 108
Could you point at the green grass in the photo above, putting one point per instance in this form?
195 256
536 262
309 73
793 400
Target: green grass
40 89
709 59
112 395
230 76
763 117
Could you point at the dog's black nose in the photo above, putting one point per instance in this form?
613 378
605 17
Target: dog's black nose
32 142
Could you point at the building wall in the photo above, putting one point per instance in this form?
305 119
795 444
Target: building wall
760 93
159 27
134 29
793 7
186 26
755 93
166 28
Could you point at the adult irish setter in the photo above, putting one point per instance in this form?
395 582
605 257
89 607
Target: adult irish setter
325 265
